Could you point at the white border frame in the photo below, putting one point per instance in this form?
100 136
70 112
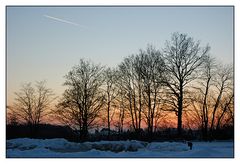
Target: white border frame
4 3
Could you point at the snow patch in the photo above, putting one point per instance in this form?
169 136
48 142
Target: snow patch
25 147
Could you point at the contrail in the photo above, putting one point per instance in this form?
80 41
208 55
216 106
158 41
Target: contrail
63 21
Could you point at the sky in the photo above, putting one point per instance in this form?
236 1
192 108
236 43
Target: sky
44 43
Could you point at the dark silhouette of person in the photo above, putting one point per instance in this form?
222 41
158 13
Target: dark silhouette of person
190 145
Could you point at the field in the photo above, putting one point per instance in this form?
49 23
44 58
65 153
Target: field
25 147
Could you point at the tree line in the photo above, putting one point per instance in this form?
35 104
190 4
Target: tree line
146 87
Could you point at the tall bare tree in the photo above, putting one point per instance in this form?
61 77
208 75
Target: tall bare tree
203 90
141 78
151 69
223 84
183 56
129 82
32 103
111 94
121 102
82 101
212 102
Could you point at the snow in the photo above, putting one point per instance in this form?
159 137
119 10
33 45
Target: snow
25 147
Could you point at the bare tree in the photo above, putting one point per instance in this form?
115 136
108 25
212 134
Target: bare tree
203 89
121 102
32 103
141 78
223 84
111 94
212 102
209 70
128 81
82 101
151 70
183 56
226 110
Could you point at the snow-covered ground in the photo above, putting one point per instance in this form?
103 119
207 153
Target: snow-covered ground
25 147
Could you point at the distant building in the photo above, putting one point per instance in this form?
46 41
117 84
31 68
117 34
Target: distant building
105 131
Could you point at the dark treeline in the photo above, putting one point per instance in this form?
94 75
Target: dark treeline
40 131
48 131
138 98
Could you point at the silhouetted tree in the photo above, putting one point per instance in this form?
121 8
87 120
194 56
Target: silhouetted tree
213 99
204 89
226 109
121 102
129 82
223 84
182 57
110 94
151 69
82 101
32 103
141 78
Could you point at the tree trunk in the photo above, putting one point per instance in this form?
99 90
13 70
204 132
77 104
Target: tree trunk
179 127
216 107
131 110
180 109
140 107
108 117
84 131
205 111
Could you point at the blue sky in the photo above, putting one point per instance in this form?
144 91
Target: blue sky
43 43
